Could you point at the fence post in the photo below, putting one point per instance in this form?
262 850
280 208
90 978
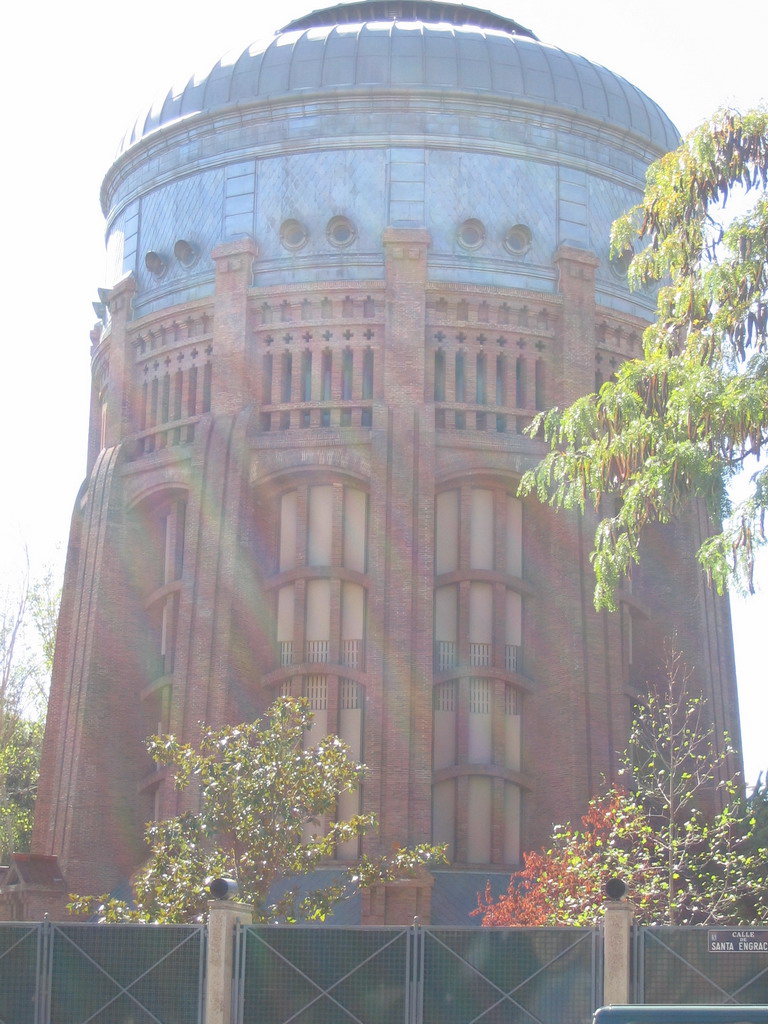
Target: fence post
617 932
223 915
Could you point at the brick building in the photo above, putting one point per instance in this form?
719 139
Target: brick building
345 271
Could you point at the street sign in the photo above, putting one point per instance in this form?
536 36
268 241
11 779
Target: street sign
739 940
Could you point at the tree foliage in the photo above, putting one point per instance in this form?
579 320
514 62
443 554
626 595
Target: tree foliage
266 817
563 885
28 617
678 832
681 421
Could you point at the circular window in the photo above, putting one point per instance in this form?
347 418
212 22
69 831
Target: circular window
620 264
341 232
293 234
517 240
186 253
156 264
471 234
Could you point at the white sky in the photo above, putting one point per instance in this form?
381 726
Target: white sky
73 76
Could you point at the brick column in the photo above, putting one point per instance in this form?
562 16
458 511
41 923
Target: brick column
402 525
577 338
122 388
234 384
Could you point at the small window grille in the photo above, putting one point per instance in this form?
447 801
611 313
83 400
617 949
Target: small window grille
480 696
350 698
444 698
511 701
316 692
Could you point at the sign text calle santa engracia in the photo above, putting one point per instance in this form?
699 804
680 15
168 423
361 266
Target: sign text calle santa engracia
741 940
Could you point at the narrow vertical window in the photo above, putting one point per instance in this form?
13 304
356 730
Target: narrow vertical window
192 392
540 398
346 375
520 382
207 386
368 373
178 386
306 377
325 387
165 405
286 382
346 385
305 386
439 376
366 418
266 379
460 386
153 404
501 392
481 394
191 402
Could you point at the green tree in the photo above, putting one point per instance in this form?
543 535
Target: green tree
682 421
19 771
564 883
679 832
27 633
266 816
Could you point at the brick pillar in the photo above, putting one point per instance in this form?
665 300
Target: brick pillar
401 529
122 393
234 383
577 338
399 903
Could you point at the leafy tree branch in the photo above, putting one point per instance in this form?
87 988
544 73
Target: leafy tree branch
676 829
681 421
267 817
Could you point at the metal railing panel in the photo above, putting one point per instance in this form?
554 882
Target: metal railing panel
675 966
148 975
320 975
510 975
21 973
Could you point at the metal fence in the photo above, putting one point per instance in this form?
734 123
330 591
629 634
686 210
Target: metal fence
141 974
91 974
290 975
674 965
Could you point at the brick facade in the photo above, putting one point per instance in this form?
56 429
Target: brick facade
400 371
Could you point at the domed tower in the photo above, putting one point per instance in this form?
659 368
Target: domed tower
345 271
